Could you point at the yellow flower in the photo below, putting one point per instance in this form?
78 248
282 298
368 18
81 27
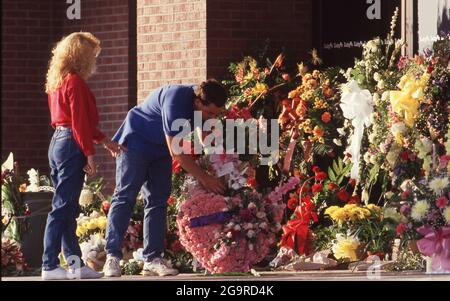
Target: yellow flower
81 230
406 102
345 247
102 223
259 88
331 210
91 225
374 208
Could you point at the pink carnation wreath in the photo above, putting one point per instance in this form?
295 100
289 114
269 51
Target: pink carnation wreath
231 233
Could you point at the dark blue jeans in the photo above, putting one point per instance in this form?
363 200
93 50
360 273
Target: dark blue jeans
66 163
151 171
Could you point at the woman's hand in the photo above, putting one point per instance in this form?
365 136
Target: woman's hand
90 169
212 184
114 148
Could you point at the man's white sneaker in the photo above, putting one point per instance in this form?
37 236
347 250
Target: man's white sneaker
56 274
112 267
84 273
158 267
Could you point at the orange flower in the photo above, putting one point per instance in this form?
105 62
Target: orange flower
328 92
326 117
318 131
23 187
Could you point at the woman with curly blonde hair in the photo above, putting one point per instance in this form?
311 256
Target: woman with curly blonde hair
75 119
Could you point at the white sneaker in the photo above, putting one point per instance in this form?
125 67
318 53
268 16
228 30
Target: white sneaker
112 267
158 267
84 273
56 274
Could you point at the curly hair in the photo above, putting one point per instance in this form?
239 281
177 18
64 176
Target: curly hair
75 53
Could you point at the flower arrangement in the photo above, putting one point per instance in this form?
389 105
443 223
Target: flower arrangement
95 223
230 233
360 230
13 262
14 210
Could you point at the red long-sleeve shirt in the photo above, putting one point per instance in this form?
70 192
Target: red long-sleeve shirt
74 105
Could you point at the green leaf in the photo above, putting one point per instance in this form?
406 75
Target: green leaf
331 174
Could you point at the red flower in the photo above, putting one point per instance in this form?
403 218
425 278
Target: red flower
352 182
441 202
252 182
405 195
171 200
400 229
316 169
343 195
292 203
105 206
354 200
326 117
176 246
332 186
317 188
176 167
320 176
404 155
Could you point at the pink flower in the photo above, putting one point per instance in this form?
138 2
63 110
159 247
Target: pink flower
441 202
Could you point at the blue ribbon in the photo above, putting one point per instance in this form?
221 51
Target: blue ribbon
215 218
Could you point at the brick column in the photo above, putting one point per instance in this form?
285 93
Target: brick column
171 43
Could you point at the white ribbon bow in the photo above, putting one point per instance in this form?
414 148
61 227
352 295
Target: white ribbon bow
357 105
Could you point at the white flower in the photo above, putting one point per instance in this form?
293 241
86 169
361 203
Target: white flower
86 197
229 234
381 85
250 247
385 95
424 147
248 226
250 233
263 225
372 137
373 120
373 159
371 46
419 210
377 76
446 214
251 206
237 228
367 157
341 131
392 214
376 99
94 214
438 185
388 195
337 142
261 214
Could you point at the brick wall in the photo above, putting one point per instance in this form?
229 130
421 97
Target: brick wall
171 43
114 83
237 27
26 35
29 30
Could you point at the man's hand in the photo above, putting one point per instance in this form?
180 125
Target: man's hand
212 184
114 148
90 169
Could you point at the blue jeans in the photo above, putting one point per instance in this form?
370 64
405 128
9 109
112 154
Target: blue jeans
66 163
151 172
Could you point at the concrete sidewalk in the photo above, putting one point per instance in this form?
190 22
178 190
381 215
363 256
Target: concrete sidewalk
330 275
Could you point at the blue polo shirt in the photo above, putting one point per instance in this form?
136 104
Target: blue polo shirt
146 125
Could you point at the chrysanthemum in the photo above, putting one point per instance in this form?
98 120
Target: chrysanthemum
439 184
345 247
419 210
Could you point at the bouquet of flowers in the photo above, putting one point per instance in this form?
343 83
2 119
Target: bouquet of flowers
232 232
12 258
14 210
422 212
